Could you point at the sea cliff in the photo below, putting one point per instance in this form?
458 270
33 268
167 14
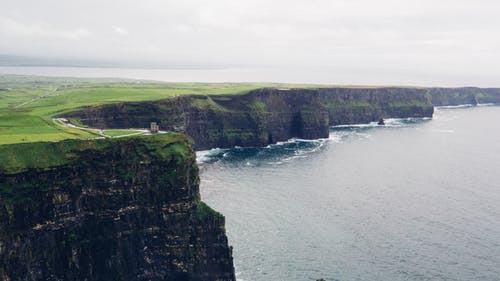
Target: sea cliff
262 116
114 209
463 96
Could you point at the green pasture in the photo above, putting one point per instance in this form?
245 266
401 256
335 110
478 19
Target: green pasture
120 133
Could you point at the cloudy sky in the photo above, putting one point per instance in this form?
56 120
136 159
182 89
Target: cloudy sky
419 42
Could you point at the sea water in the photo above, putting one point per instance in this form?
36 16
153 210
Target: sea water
417 199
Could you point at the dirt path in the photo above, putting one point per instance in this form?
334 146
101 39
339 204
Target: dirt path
100 132
37 98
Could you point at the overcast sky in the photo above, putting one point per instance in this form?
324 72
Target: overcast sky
439 42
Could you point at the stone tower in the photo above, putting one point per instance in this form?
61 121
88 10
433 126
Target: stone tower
154 128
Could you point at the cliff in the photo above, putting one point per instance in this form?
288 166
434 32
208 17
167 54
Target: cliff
462 96
263 116
115 209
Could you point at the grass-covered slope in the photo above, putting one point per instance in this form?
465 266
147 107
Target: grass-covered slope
20 157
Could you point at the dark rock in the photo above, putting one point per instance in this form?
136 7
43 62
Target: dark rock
381 122
464 96
119 209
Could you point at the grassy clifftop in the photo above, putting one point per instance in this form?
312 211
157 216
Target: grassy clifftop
20 157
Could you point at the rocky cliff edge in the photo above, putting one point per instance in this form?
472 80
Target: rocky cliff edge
114 209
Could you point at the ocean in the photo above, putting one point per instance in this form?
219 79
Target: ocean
417 199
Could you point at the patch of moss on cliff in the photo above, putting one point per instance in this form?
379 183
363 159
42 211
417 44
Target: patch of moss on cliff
11 195
258 106
235 137
77 122
17 158
352 108
205 213
232 134
350 105
207 103
419 103
408 108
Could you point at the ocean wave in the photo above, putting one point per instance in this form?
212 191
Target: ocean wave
401 122
338 137
290 150
273 154
486 104
349 126
343 133
297 140
207 156
389 122
464 105
454 106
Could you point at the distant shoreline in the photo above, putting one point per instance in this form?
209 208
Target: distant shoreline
311 76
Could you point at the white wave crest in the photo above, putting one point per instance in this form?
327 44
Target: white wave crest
205 155
368 125
389 122
454 106
486 104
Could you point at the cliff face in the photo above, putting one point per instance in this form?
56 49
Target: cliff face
461 96
262 116
119 209
364 105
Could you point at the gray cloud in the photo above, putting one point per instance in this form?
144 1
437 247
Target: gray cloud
440 42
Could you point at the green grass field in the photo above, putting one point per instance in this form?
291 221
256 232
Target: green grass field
41 155
28 103
120 133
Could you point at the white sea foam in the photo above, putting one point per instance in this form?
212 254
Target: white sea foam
298 152
237 274
205 155
320 142
454 106
336 137
464 105
368 125
389 122
341 133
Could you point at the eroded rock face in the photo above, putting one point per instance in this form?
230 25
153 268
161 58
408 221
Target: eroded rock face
123 209
364 105
462 96
262 116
